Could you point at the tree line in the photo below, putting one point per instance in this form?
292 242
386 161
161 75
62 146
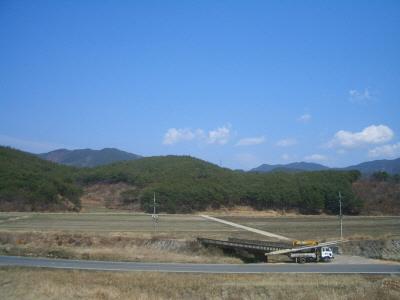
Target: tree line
383 176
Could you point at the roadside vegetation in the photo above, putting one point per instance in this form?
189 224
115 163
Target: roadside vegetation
26 283
114 247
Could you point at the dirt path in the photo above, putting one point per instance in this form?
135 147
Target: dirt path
11 219
258 231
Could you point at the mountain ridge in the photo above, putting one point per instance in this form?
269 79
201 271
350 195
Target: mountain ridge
88 157
92 158
391 166
295 166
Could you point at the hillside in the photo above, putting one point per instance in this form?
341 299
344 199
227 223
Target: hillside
379 197
88 157
30 183
185 184
366 168
182 184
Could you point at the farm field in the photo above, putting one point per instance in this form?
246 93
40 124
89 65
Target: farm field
324 227
180 226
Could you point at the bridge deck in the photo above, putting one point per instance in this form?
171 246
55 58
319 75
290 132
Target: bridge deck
237 244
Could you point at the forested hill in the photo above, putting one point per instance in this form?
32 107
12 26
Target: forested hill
182 184
185 184
30 183
88 157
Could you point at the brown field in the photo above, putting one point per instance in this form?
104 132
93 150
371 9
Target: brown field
185 226
324 227
26 283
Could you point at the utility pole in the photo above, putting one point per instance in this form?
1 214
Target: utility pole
154 216
154 204
340 216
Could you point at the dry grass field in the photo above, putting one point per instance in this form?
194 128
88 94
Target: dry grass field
185 226
324 227
26 283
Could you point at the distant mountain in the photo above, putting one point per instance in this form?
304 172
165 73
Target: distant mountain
389 166
292 167
88 157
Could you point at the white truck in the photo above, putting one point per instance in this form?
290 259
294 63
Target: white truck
307 251
324 254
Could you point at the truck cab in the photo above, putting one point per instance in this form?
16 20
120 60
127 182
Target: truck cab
326 253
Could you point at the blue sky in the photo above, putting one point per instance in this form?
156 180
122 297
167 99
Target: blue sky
238 83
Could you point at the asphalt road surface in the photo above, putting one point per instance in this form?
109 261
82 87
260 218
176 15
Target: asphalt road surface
199 268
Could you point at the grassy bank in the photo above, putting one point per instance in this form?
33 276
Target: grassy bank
115 247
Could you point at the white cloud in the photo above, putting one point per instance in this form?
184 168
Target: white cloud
251 141
173 136
304 118
385 151
285 156
361 97
315 157
374 134
286 142
219 136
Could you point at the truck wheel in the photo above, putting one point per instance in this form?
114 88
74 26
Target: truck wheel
302 260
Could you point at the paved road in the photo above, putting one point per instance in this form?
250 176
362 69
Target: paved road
198 268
